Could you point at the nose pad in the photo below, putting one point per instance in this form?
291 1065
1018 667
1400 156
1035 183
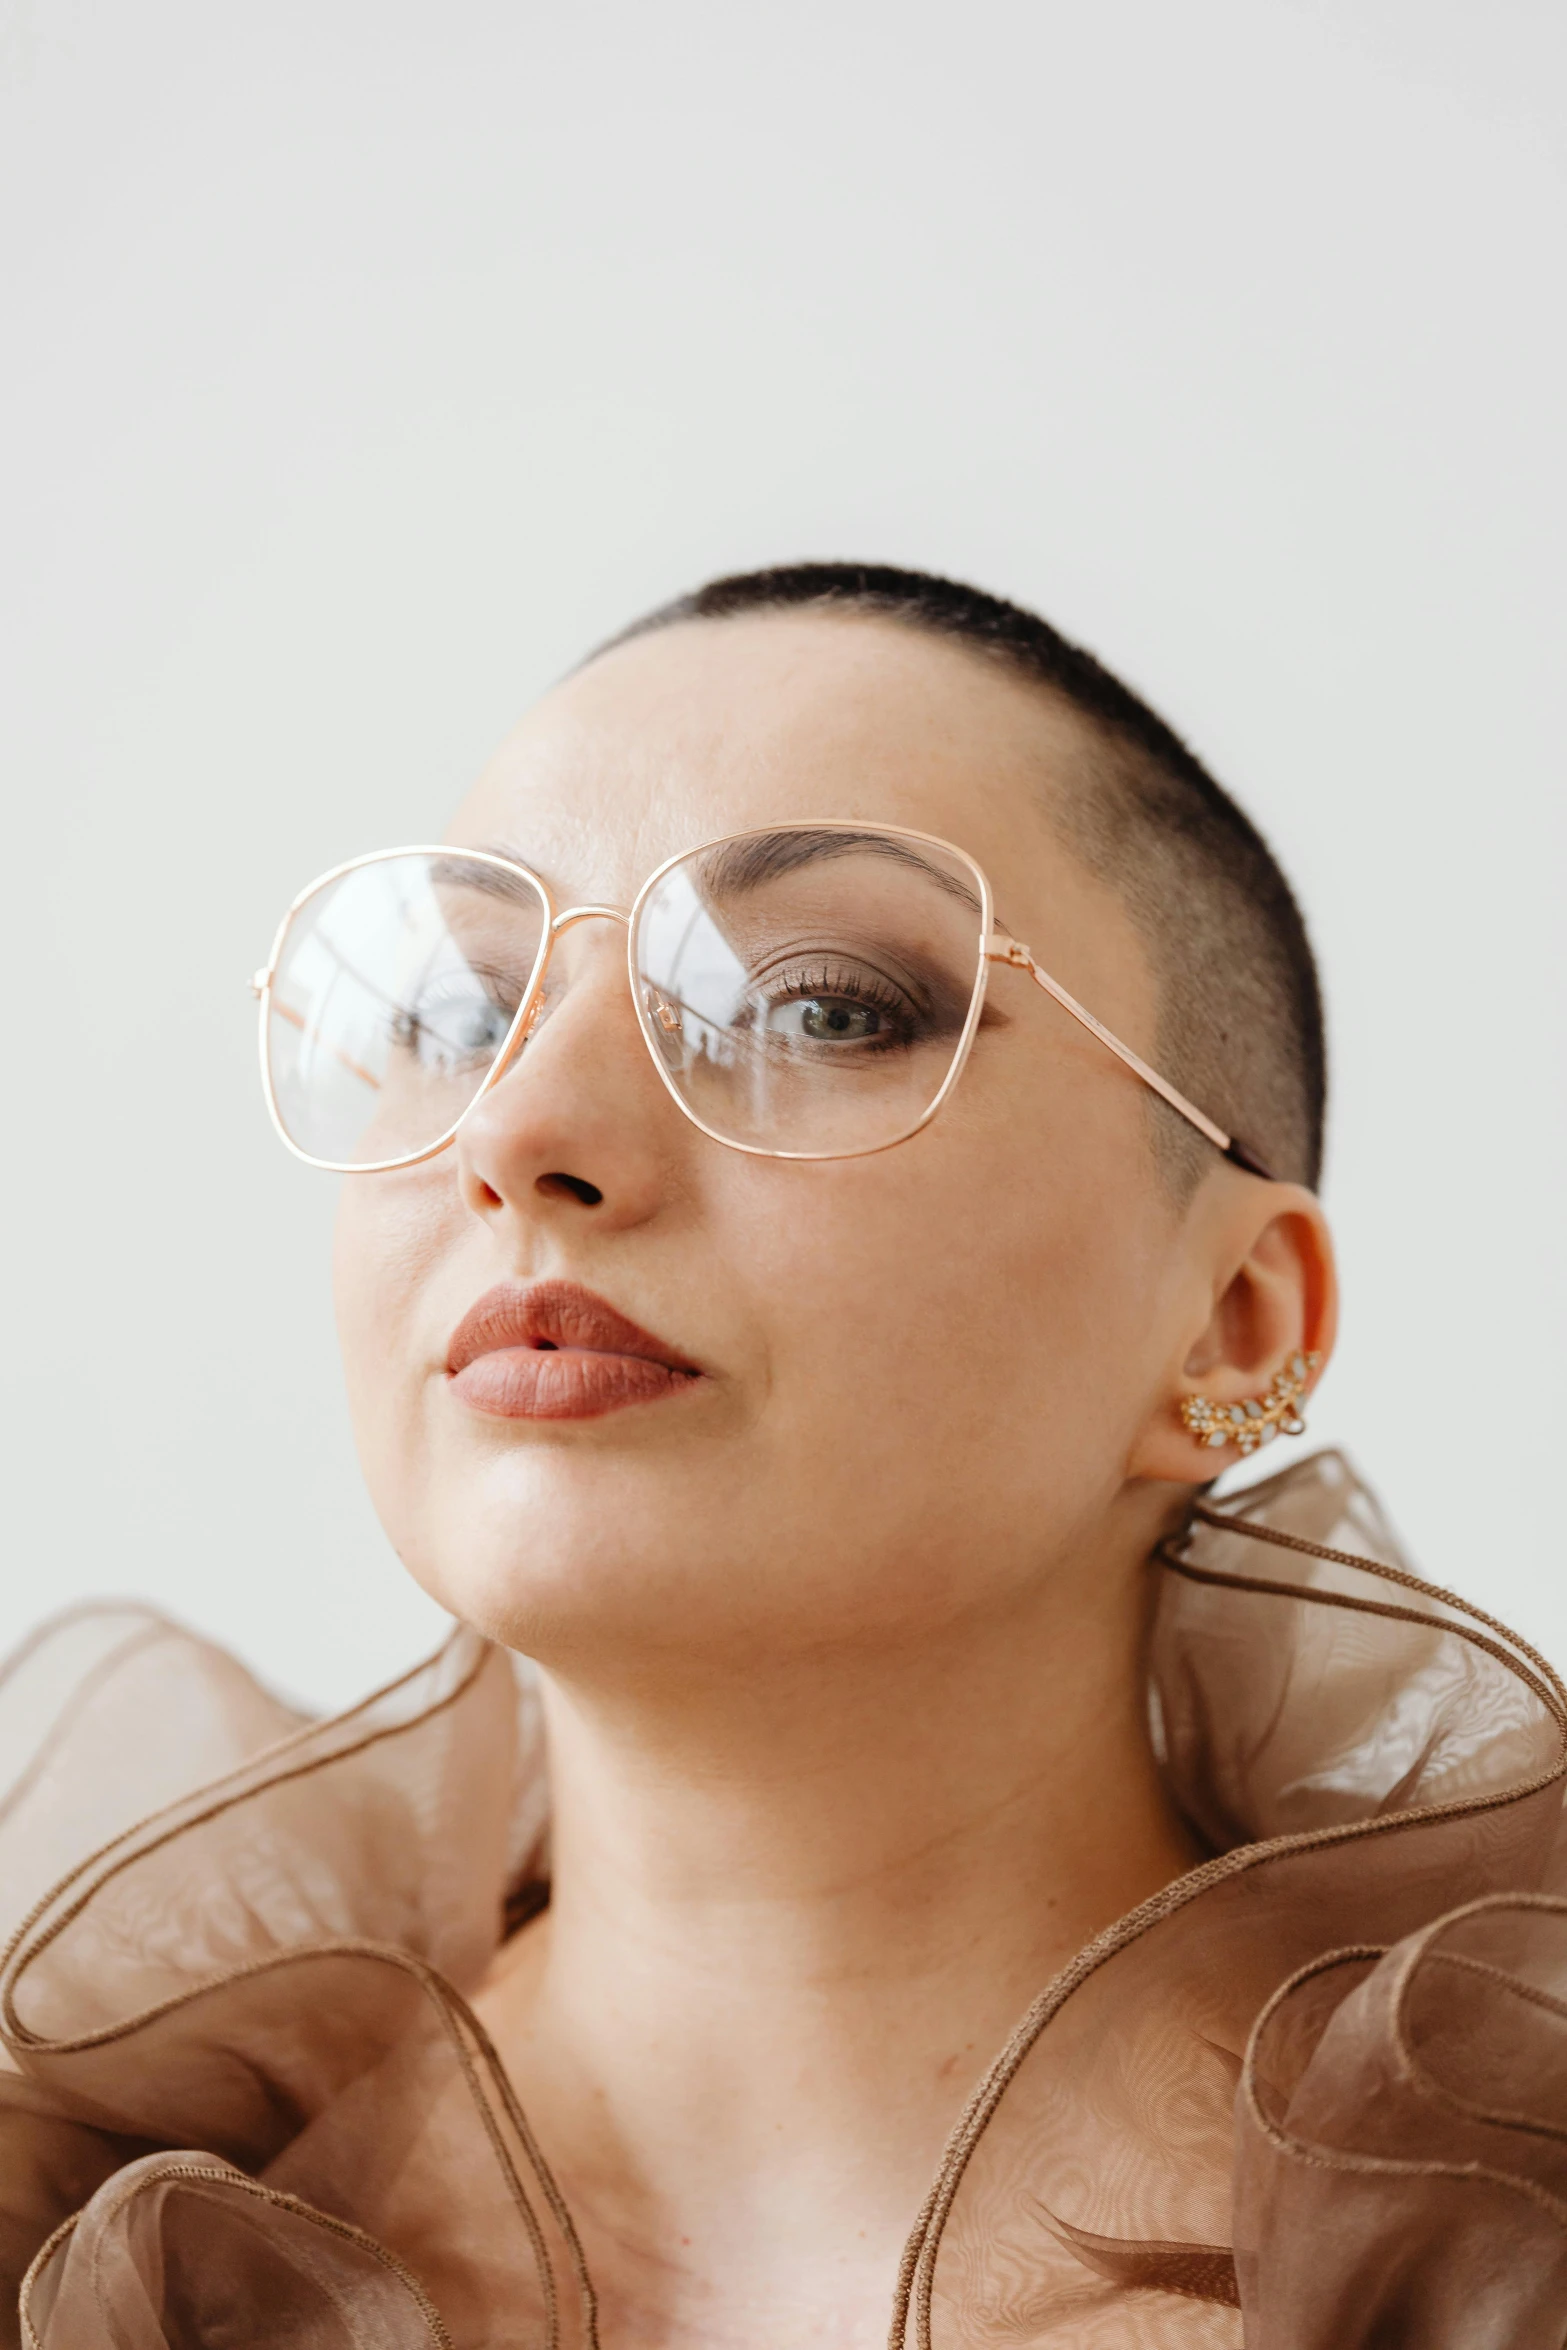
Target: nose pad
667 1030
512 1055
530 1023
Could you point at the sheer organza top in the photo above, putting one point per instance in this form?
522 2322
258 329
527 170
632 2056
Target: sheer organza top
1312 2096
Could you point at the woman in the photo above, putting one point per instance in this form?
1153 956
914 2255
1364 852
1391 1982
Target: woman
812 1355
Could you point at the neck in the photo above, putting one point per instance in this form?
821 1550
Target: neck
796 1911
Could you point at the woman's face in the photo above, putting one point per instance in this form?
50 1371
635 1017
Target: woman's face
923 1375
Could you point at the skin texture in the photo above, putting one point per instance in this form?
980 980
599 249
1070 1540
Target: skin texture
840 1646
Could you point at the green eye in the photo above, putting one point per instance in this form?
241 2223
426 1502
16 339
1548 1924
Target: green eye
837 1020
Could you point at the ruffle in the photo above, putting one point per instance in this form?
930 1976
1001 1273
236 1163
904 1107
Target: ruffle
250 2103
1409 2107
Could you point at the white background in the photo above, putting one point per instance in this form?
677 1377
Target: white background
364 362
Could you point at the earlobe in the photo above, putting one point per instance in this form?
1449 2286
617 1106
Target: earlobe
1268 1300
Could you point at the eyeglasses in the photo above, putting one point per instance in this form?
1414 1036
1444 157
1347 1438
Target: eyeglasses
805 991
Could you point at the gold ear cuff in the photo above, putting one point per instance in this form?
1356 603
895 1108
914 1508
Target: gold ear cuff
1259 1419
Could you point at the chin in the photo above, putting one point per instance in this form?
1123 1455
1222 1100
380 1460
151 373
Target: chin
567 1558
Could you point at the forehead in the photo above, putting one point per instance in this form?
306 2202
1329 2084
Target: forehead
713 727
709 727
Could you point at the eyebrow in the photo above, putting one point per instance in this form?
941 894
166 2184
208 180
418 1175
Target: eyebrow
469 868
765 856
744 864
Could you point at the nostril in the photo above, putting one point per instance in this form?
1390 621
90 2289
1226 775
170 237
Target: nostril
553 1185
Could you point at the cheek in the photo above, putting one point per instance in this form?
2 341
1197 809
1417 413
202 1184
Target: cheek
952 1351
392 1232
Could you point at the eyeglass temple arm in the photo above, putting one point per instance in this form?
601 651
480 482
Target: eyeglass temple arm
1002 949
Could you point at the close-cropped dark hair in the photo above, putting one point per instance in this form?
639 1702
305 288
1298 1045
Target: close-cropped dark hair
1240 1027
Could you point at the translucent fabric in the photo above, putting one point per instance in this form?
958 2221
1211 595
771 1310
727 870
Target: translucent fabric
1313 2094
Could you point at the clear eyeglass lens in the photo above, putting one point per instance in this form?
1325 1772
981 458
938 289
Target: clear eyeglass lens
395 988
808 990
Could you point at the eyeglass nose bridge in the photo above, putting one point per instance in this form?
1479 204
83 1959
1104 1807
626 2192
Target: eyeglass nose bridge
564 921
559 924
664 1012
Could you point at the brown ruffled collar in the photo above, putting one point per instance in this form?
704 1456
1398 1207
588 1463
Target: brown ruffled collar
1316 2088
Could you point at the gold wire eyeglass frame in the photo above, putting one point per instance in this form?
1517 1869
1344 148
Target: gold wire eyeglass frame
994 946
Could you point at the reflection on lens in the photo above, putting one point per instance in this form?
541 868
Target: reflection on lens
807 989
395 989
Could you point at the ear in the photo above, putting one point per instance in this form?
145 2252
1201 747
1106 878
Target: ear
1263 1288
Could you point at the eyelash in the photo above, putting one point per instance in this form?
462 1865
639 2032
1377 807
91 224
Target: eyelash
853 984
411 1021
856 985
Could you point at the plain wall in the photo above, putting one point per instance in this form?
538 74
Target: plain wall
365 363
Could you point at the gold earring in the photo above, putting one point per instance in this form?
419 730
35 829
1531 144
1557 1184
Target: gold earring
1259 1419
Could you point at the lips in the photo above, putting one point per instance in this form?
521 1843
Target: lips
556 1351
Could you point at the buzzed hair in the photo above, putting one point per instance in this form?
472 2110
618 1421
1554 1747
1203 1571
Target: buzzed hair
1240 1019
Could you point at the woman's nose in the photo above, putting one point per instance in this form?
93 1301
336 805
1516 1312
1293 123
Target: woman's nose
580 1123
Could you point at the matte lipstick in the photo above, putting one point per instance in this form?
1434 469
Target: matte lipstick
557 1351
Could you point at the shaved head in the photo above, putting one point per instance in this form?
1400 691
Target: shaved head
1240 1025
